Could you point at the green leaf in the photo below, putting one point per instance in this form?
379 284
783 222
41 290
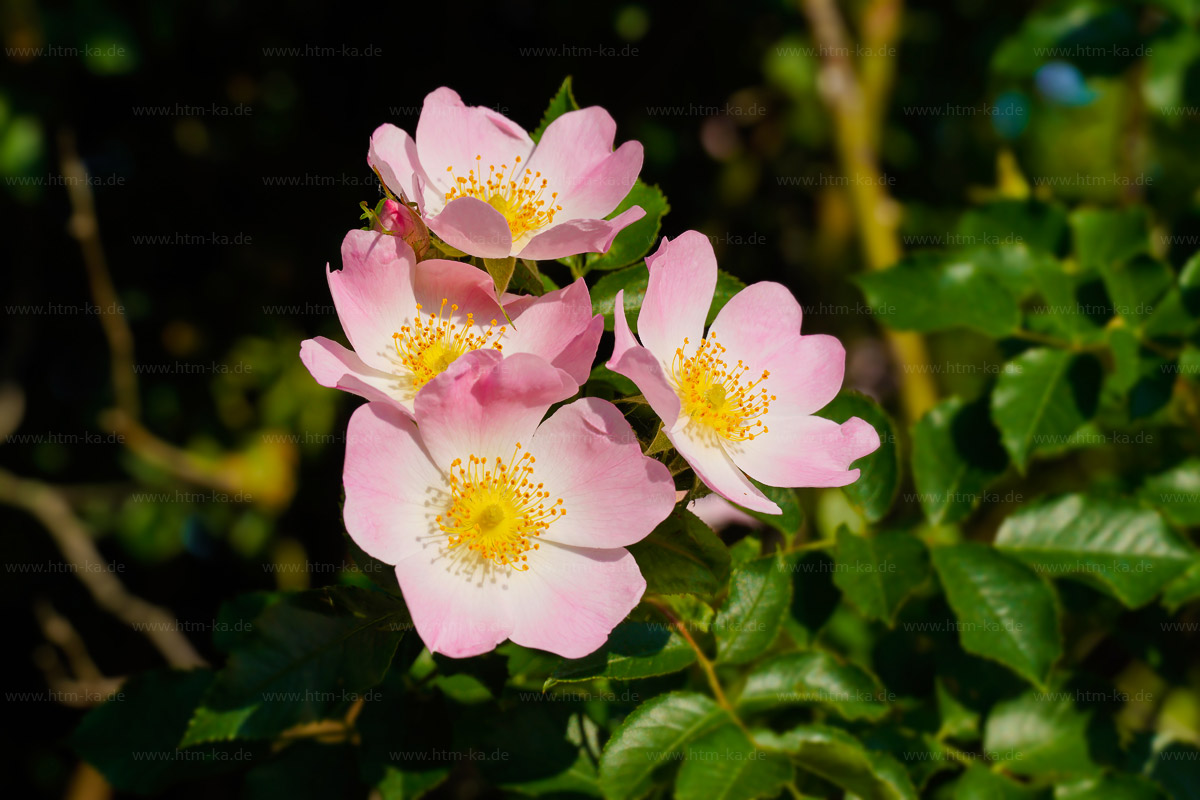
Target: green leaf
235 620
1039 226
562 102
1015 266
1041 398
1135 286
958 721
1039 735
878 573
399 784
633 281
836 756
956 455
682 556
1176 492
1112 544
1112 787
634 649
1075 303
131 738
933 292
501 270
651 737
311 653
1005 611
1183 589
1178 310
635 241
528 279
580 779
760 594
1104 238
980 783
879 476
725 765
790 519
814 678
619 383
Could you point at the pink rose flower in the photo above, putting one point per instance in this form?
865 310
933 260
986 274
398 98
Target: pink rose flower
500 527
739 401
408 321
485 188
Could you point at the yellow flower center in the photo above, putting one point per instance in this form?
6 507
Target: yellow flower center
516 194
712 394
497 511
430 345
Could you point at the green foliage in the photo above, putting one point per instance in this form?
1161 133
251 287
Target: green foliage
760 592
682 556
1005 611
310 655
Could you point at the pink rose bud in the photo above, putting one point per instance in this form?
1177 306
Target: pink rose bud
398 219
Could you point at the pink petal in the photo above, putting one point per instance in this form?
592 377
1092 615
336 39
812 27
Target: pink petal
640 365
576 158
338 368
683 277
560 327
484 404
713 465
393 154
450 134
390 508
373 293
761 326
570 599
579 236
474 227
805 375
716 512
758 321
589 456
457 612
806 451
468 287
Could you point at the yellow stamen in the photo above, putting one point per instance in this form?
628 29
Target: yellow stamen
429 346
515 193
712 394
497 511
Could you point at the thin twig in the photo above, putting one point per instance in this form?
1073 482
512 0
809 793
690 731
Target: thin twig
78 549
85 228
857 110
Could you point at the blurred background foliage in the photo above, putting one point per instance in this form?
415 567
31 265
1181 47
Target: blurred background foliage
727 99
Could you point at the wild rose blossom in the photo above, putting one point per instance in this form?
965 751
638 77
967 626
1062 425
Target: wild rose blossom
739 401
500 527
486 189
408 321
